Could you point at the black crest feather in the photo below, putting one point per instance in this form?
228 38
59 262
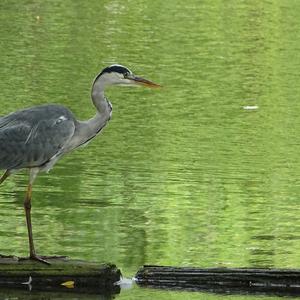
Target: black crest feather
115 68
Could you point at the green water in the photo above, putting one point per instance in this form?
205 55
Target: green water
185 175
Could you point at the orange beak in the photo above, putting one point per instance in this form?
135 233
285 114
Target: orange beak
145 82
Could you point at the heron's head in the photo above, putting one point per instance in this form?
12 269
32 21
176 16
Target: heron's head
120 75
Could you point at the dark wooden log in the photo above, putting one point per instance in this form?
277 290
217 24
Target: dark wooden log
62 274
224 280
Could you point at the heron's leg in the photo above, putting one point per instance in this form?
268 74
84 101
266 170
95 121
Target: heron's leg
27 206
4 176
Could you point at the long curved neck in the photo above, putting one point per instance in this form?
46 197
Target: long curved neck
86 130
98 98
102 105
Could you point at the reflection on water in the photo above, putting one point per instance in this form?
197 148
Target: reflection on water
64 295
181 176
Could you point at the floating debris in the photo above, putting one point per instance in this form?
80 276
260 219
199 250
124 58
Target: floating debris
68 284
250 107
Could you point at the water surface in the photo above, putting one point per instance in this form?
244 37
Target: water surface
186 175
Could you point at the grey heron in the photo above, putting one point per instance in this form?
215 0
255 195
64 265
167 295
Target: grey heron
36 138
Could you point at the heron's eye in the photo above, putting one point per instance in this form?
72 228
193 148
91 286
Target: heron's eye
126 75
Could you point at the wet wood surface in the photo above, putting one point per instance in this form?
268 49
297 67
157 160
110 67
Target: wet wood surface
61 274
223 280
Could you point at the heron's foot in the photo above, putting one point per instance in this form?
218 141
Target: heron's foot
35 257
44 258
39 259
53 256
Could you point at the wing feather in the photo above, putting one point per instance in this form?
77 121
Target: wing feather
31 137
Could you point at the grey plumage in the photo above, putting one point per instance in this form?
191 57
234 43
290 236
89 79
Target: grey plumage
31 137
37 137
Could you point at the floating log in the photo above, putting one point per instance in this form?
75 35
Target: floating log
61 275
222 280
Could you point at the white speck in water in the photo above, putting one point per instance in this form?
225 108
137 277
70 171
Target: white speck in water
250 107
